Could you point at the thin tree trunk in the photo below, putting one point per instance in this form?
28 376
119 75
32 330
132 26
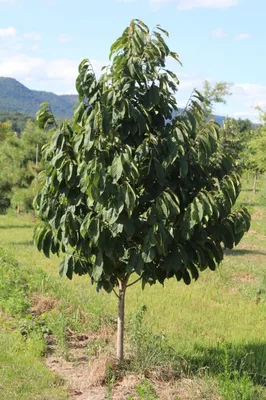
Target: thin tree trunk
121 319
255 182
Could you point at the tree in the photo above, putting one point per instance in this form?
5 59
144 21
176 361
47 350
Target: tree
18 162
233 140
255 155
214 94
126 193
255 149
6 131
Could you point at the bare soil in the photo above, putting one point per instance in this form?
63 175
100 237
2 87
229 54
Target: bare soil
86 375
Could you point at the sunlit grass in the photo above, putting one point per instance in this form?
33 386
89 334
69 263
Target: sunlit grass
22 374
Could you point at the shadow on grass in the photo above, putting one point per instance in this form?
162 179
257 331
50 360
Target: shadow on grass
15 226
248 204
26 243
250 190
242 252
249 358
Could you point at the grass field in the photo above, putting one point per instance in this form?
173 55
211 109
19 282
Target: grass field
216 325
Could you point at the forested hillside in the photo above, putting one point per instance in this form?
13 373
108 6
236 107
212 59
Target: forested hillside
16 97
18 120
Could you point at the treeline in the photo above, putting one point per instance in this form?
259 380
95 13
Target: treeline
17 119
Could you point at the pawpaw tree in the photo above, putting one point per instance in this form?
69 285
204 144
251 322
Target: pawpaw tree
128 189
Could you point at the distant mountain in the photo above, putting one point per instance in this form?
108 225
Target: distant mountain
16 97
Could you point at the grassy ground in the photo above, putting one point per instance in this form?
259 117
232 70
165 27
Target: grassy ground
217 324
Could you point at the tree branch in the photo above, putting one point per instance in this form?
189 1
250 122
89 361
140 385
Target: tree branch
133 283
115 293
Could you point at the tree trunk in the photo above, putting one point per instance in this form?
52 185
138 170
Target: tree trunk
121 319
255 182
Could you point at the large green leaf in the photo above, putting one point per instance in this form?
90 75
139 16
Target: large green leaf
116 168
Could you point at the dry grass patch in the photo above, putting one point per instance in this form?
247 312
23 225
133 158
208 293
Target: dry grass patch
42 304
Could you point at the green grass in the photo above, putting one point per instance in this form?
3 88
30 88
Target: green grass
22 374
221 315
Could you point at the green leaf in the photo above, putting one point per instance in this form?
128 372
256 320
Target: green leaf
98 267
130 199
174 261
227 235
183 166
39 236
47 241
186 277
160 172
162 30
154 95
148 254
116 168
66 266
94 229
116 229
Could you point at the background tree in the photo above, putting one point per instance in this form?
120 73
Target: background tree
253 154
125 193
233 140
214 95
6 131
18 164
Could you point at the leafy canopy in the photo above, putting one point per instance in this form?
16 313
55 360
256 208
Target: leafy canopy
127 189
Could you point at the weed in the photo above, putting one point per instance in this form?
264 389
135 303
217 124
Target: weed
13 286
110 379
151 352
145 391
235 384
96 347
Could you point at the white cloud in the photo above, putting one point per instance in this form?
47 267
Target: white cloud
242 36
219 33
245 96
58 75
182 5
35 47
32 36
251 94
63 38
7 32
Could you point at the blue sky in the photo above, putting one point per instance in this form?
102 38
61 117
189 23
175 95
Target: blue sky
43 41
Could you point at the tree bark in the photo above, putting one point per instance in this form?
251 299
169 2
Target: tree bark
255 182
121 319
